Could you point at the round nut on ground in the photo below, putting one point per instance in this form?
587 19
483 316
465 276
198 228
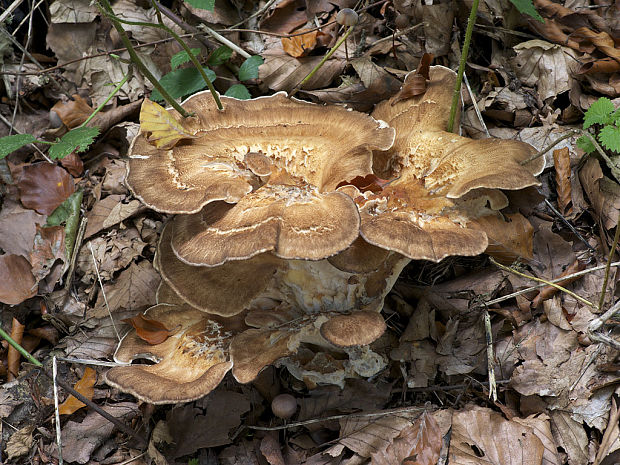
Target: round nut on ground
284 406
347 17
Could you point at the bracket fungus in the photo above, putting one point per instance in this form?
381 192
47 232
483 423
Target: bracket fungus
293 222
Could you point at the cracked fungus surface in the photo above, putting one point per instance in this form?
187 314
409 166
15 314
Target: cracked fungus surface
225 154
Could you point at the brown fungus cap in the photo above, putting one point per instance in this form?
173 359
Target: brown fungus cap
190 363
357 328
320 145
224 290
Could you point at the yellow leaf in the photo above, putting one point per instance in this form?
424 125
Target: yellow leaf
300 46
86 387
165 131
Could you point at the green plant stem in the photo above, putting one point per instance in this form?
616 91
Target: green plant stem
122 426
609 260
106 9
322 62
459 77
108 98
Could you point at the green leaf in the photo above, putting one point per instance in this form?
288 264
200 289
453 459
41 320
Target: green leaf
238 91
585 144
9 144
78 139
182 57
68 212
527 7
182 82
249 68
219 56
610 138
598 113
202 4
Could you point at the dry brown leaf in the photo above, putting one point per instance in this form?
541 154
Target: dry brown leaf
14 357
164 131
86 387
18 227
16 280
151 331
299 46
611 438
72 112
285 17
604 194
508 240
482 436
270 448
49 246
109 212
571 436
19 443
415 83
548 291
283 72
73 164
417 444
561 161
44 186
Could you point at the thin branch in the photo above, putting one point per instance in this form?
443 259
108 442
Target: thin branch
105 299
57 411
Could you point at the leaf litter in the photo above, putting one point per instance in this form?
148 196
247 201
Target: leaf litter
558 389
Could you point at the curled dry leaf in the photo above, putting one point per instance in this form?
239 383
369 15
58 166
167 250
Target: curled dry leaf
13 358
561 160
509 238
73 112
16 280
300 46
549 291
415 83
44 186
151 331
86 387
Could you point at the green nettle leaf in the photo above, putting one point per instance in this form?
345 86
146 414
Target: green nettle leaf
238 91
182 82
610 138
182 57
249 68
598 113
527 8
202 4
585 144
9 144
78 140
219 56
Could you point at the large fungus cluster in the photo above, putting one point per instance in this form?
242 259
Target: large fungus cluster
292 223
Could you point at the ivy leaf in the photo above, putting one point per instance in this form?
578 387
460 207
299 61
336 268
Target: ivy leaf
219 56
202 4
249 68
78 140
585 144
238 91
9 144
527 8
182 82
610 138
598 113
182 57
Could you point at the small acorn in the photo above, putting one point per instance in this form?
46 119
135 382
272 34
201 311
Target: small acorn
284 406
347 17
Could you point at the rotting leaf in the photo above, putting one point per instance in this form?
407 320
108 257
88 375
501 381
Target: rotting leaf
74 112
415 83
508 240
86 387
151 331
165 131
548 291
44 186
299 45
561 160
16 280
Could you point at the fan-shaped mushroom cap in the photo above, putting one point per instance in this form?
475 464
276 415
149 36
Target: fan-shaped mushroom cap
224 290
354 329
191 362
321 145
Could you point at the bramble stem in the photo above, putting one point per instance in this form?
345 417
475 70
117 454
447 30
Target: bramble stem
465 52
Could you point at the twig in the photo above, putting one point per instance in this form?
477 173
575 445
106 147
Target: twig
105 299
57 411
593 357
186 27
383 413
126 78
258 12
547 282
614 245
10 9
27 17
556 280
476 109
119 424
398 34
570 226
488 331
220 38
541 152
83 361
79 237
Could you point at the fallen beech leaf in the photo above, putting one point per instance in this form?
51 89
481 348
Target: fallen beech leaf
86 387
73 164
561 160
16 280
151 331
17 334
44 186
299 46
49 246
415 83
165 131
73 112
508 240
548 291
